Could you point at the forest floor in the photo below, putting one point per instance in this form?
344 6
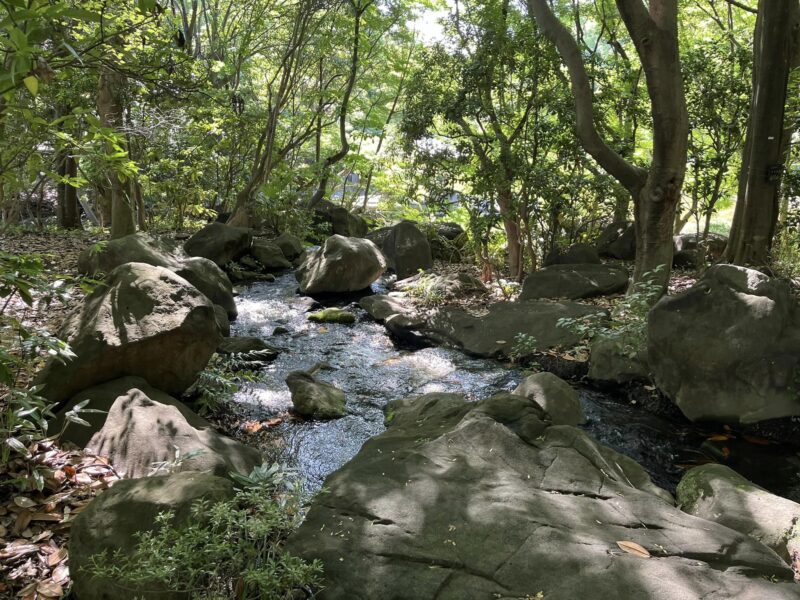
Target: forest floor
34 525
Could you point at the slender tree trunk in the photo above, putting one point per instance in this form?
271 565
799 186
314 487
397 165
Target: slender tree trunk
344 149
110 109
758 204
514 245
68 211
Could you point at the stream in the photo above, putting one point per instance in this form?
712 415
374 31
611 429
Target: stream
371 371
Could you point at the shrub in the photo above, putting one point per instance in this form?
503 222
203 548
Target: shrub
23 413
627 329
227 549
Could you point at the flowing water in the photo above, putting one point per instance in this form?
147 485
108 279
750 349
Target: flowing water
365 364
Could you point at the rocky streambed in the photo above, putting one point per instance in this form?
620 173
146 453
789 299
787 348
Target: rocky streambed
361 360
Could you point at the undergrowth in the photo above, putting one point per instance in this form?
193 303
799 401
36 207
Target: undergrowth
226 549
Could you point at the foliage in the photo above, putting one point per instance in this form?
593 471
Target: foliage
785 259
627 329
218 382
23 412
229 548
426 292
524 346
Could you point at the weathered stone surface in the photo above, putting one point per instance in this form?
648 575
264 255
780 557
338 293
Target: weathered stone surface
581 254
728 349
449 231
446 286
688 252
718 493
381 307
574 282
406 250
555 396
608 364
270 255
141 426
291 245
137 247
111 521
212 281
222 320
494 333
315 399
618 240
407 331
146 321
339 220
715 244
220 243
472 501
342 264
145 248
332 315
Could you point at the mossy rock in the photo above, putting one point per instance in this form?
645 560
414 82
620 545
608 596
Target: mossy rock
332 315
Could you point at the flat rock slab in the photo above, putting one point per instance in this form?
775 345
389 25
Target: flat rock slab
494 333
381 307
574 282
463 501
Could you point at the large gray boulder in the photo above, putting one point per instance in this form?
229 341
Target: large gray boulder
718 493
159 252
145 321
141 426
577 254
618 240
337 220
555 396
406 250
291 245
494 333
472 501
212 282
574 282
270 255
315 399
728 348
715 243
341 264
220 243
136 247
608 362
111 522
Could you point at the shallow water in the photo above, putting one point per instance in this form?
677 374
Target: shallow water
365 364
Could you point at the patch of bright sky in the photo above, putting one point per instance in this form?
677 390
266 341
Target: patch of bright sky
428 23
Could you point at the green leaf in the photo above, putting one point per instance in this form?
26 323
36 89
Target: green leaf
18 446
32 83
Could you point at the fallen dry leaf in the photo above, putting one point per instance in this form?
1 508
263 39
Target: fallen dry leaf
252 426
634 548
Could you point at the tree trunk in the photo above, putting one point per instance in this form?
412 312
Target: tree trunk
654 31
68 212
110 111
319 194
758 203
514 245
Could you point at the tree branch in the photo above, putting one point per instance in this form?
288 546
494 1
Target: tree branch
629 175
